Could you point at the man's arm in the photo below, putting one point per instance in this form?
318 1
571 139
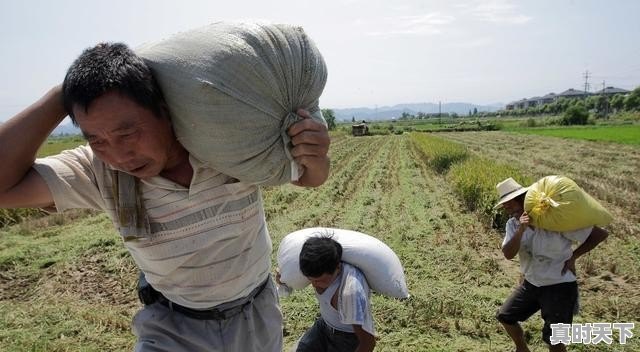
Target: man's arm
596 236
366 341
20 138
511 248
310 141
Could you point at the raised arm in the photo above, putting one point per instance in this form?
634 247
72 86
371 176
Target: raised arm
20 138
512 246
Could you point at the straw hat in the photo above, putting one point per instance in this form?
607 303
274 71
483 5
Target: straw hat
509 189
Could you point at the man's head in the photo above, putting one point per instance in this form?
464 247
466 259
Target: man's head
320 260
110 94
511 197
110 67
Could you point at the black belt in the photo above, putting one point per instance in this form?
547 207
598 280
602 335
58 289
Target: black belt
213 313
331 330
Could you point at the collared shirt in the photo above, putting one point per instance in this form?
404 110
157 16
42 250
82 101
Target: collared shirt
543 253
209 242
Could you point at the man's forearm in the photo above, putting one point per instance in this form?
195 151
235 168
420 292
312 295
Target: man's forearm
597 235
512 247
21 136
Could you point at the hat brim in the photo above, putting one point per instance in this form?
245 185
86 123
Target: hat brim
510 196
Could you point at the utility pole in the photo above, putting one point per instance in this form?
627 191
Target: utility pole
606 101
586 83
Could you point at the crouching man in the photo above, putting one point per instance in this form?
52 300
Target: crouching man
345 322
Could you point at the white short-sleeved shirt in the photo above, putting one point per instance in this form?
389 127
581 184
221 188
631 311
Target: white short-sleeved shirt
542 253
209 243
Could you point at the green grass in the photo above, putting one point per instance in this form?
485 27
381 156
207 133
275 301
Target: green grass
55 145
68 284
626 134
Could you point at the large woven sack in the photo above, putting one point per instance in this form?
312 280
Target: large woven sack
379 264
233 90
557 203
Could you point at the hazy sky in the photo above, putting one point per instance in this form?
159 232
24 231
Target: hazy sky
378 52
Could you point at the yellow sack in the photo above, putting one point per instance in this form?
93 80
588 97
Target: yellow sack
556 203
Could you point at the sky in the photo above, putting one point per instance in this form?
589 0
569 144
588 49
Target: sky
378 52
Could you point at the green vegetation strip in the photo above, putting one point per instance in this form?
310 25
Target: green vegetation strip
439 153
473 178
626 134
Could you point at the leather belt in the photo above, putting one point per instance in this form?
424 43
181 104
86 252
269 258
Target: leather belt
213 313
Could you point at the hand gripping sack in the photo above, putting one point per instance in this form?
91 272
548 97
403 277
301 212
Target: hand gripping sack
557 203
233 89
379 264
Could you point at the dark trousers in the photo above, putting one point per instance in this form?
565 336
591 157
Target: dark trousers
322 338
555 302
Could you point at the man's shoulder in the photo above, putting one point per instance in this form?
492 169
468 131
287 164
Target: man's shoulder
354 277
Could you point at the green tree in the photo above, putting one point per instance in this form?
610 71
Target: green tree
591 102
632 102
602 105
330 117
575 115
617 102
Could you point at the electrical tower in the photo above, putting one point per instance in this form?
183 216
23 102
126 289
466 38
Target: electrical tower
586 82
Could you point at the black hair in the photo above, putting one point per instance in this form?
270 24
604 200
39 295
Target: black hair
110 67
320 255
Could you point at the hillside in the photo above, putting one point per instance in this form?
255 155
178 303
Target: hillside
395 111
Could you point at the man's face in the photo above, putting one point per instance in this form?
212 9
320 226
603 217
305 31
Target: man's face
323 281
513 208
127 136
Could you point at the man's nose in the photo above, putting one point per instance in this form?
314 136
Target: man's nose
122 154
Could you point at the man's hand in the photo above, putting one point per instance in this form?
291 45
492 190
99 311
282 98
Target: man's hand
310 141
524 221
570 264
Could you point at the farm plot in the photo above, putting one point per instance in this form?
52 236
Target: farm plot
455 271
378 185
607 171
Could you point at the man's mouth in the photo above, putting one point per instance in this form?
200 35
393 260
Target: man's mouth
136 169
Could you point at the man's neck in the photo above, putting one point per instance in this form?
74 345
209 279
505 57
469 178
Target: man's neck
180 170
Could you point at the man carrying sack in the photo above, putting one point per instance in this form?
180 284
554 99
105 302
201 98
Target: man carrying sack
547 262
198 235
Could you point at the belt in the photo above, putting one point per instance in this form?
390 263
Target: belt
213 313
331 330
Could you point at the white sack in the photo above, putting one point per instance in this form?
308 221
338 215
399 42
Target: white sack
379 264
233 90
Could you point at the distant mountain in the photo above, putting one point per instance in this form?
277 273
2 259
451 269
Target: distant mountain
66 129
389 112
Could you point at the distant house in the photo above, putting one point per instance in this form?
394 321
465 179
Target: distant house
532 102
547 99
520 104
573 94
610 91
569 94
